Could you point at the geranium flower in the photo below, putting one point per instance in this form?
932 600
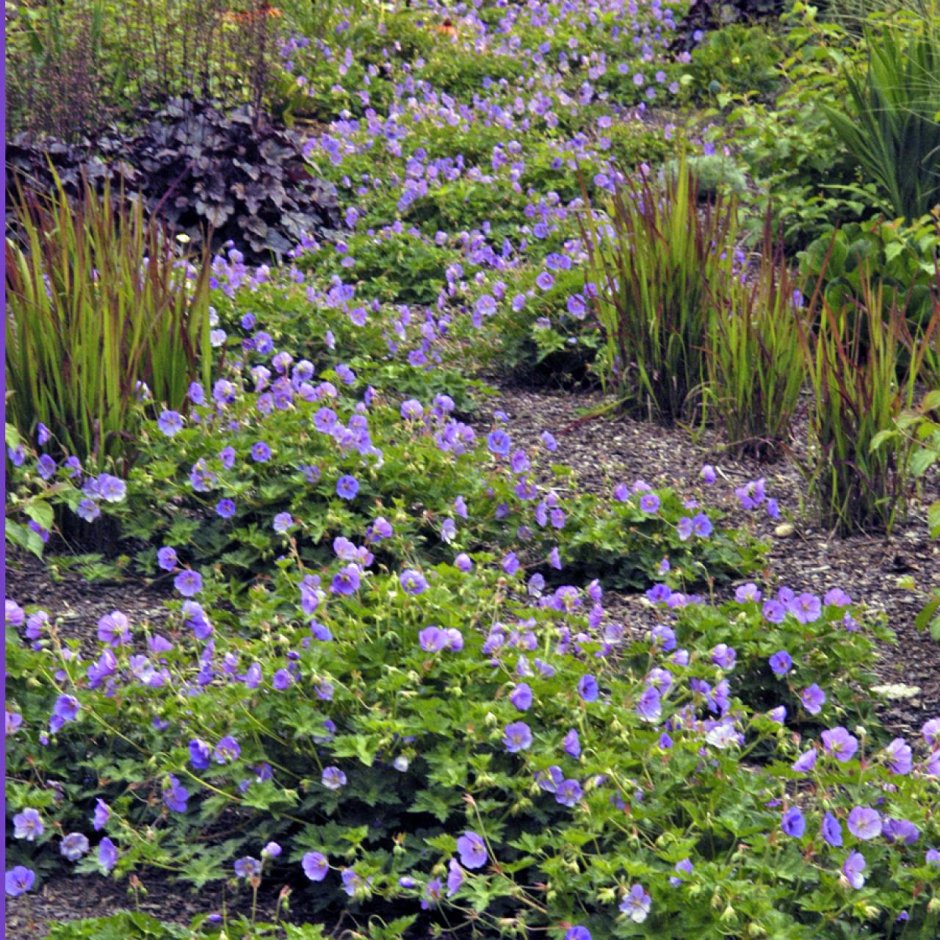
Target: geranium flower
19 880
74 846
315 866
637 904
517 737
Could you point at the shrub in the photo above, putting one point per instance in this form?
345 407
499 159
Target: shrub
653 265
855 14
268 442
30 515
232 175
801 168
714 174
234 172
100 308
901 258
737 59
54 74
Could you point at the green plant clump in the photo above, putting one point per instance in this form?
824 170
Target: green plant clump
101 310
654 265
892 128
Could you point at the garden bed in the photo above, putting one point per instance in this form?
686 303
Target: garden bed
399 576
600 448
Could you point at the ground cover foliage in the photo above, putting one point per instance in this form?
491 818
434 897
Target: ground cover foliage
389 681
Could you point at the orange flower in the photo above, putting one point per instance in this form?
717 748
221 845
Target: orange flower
249 16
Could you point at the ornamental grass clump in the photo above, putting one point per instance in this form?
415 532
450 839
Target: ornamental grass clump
754 363
101 311
654 261
861 381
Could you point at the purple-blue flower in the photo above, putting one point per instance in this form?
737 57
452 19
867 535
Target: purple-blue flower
333 778
724 656
864 822
74 846
412 582
499 442
227 750
568 793
852 869
188 582
900 830
315 866
813 699
571 744
200 754
260 452
472 850
578 933
806 608
899 756
781 662
793 822
170 422
28 825
649 502
114 629
636 905
454 877
64 710
588 688
347 487
832 830
806 761
101 815
649 704
347 580
517 737
247 867
19 880
521 697
838 743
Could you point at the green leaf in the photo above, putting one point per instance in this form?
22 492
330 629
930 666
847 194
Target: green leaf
935 629
933 519
24 538
923 619
40 512
125 925
921 460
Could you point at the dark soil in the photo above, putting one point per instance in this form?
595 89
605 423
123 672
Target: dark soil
603 449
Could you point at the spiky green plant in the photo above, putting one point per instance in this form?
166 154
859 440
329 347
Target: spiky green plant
861 384
98 301
755 367
892 126
654 262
